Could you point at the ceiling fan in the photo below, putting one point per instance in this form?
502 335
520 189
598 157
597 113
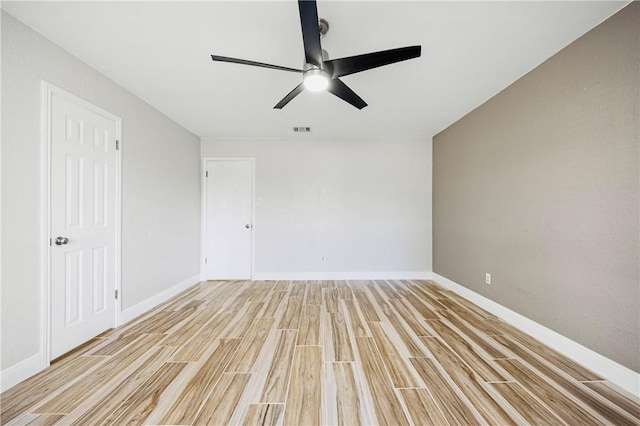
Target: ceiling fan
319 72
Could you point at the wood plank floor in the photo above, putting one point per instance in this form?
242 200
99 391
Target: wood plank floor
317 352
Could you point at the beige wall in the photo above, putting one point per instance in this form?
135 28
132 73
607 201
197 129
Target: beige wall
160 185
540 187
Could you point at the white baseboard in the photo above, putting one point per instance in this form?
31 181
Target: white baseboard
617 374
150 303
26 368
299 276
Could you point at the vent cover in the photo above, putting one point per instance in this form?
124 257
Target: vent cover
302 129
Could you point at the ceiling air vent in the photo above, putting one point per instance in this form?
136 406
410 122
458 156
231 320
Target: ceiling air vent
302 129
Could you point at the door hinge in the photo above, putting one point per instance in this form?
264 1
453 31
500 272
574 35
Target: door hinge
117 145
205 260
116 293
206 174
50 242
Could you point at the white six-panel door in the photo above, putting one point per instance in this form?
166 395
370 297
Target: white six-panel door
82 223
228 218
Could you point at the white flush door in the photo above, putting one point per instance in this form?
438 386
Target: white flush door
228 222
82 223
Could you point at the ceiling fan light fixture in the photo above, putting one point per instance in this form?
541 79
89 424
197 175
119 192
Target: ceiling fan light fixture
316 80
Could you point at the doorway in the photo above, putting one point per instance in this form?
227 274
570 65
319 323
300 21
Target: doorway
228 218
83 206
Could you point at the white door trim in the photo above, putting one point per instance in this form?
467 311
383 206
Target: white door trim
203 216
47 91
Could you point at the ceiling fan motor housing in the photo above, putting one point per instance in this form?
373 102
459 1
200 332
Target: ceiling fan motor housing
325 57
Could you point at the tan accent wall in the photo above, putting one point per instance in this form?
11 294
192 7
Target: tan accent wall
539 186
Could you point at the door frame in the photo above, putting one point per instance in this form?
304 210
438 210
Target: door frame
47 92
203 217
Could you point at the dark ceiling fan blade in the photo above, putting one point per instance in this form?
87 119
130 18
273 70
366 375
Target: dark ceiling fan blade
292 94
354 64
310 32
341 90
254 63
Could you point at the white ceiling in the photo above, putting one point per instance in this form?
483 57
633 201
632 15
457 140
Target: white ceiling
160 51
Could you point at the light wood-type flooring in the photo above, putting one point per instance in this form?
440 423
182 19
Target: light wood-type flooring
306 353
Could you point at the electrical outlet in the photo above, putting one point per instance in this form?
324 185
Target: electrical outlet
487 278
322 258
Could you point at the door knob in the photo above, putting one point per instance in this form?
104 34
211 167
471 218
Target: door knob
62 241
247 226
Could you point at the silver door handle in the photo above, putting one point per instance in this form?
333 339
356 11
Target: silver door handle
247 226
62 241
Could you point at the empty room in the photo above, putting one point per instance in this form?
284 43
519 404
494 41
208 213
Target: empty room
320 212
